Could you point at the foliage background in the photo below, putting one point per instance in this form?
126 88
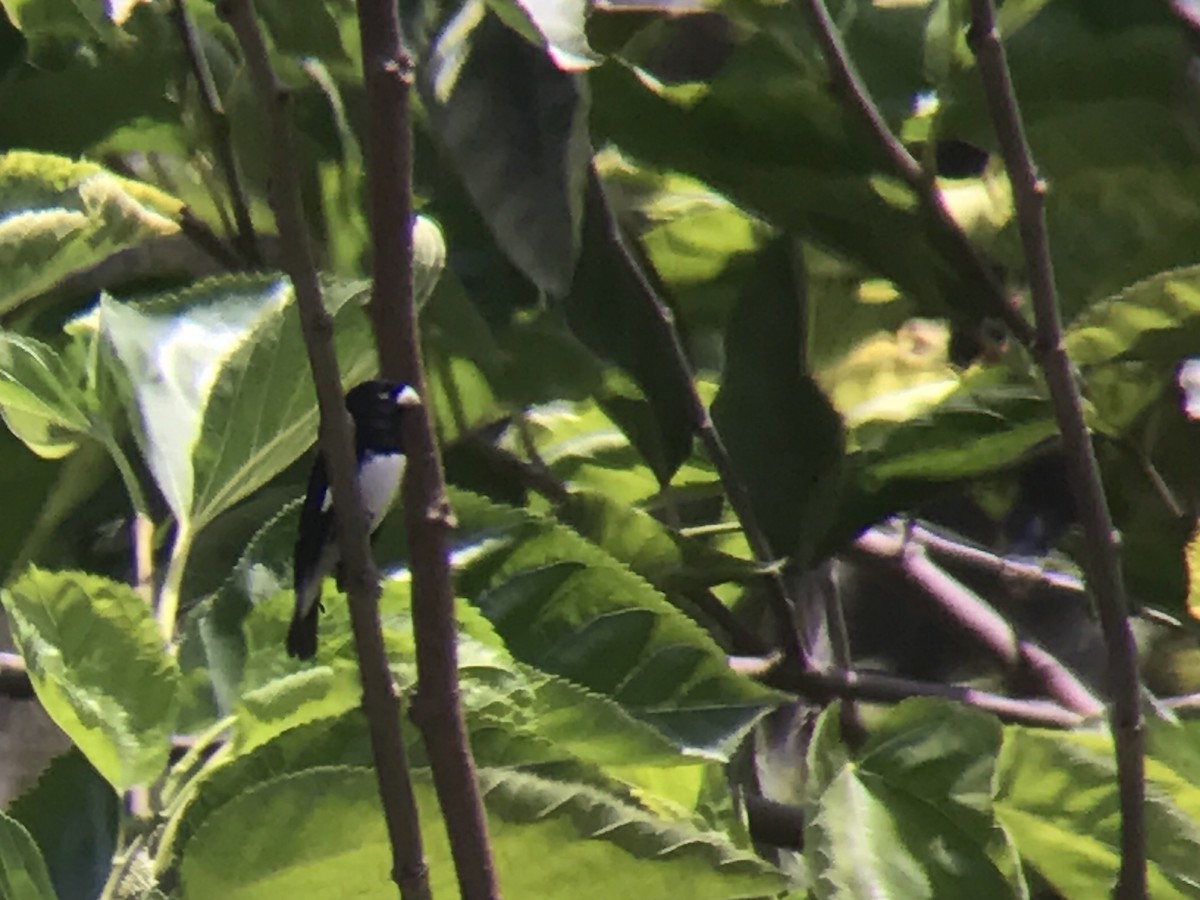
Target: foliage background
159 413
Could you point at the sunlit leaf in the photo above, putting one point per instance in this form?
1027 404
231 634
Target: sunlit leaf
58 217
876 817
1056 792
543 835
70 628
565 606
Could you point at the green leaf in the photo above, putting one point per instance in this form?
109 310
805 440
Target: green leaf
70 628
281 703
566 607
516 714
1130 344
462 362
515 127
39 398
783 435
72 814
94 95
909 816
1104 131
308 28
984 426
766 132
218 387
610 311
543 834
22 870
29 485
60 217
558 26
668 560
47 22
698 242
1056 793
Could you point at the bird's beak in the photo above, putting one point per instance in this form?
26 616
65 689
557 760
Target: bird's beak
408 397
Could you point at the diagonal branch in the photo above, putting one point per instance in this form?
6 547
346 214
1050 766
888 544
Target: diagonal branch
849 84
977 617
1101 558
387 72
361 577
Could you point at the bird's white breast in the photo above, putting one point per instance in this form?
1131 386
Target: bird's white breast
379 480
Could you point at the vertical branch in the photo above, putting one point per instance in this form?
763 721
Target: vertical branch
218 123
1101 558
361 578
387 72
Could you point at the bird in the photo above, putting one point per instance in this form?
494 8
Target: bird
376 409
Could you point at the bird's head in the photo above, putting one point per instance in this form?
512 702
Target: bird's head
377 408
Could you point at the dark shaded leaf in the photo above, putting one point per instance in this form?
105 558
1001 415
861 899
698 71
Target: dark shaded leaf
783 435
516 128
72 814
22 870
612 309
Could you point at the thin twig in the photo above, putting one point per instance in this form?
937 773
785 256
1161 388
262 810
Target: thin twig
1101 557
530 475
436 709
141 531
783 608
853 731
823 685
850 85
979 619
360 576
939 545
245 241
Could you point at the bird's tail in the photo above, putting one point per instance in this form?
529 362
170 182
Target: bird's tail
302 633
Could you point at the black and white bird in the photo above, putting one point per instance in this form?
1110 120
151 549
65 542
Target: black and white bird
376 408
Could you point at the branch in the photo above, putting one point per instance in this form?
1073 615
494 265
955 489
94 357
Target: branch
436 710
361 578
783 608
1101 559
976 616
849 84
947 548
821 686
853 732
246 242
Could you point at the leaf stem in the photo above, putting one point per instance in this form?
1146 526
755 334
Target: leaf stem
1101 557
360 576
168 597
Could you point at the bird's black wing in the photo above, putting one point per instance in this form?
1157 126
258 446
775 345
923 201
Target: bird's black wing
316 531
